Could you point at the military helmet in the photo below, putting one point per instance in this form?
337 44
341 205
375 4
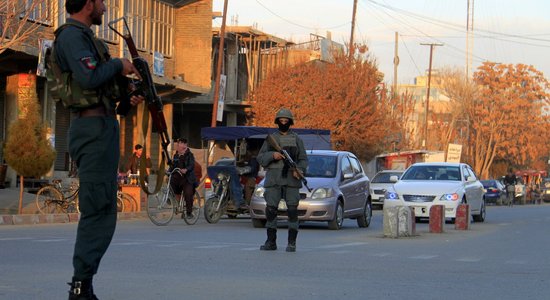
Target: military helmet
284 113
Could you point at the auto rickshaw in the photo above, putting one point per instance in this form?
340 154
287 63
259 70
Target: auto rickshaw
227 173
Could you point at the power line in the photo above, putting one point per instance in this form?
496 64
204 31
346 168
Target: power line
299 25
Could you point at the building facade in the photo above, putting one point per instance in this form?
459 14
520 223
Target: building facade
175 37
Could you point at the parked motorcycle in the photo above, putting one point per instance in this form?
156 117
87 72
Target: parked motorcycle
226 196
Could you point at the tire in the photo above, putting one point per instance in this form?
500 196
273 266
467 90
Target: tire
338 221
196 210
160 207
73 206
364 219
211 213
130 203
258 223
481 216
49 200
119 204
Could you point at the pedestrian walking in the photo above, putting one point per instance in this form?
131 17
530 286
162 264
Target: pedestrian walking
282 183
510 182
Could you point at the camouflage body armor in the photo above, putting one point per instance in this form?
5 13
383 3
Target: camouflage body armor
63 87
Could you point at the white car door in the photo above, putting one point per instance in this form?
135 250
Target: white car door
474 189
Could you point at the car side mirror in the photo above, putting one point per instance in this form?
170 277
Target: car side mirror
348 175
470 179
394 178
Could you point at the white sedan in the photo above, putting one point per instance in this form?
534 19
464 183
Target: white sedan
450 184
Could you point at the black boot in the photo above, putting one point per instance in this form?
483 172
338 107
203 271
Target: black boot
81 290
271 242
292 234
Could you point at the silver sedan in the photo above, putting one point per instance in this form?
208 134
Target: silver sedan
340 189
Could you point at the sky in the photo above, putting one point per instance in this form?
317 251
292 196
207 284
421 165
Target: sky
505 31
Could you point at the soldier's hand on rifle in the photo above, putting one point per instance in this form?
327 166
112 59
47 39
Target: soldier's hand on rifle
128 68
277 156
296 174
136 98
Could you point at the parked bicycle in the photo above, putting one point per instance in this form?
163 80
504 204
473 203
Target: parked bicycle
56 199
162 206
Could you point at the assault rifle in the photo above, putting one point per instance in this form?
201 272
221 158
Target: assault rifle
288 160
147 89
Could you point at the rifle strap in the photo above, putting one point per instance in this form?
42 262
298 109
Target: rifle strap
143 163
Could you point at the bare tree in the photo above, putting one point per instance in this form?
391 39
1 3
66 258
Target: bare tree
19 19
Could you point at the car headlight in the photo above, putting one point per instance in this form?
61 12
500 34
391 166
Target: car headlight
391 196
259 192
321 193
449 197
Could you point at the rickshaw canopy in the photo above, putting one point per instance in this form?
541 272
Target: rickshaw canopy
318 139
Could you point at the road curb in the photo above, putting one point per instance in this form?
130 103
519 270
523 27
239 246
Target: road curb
35 219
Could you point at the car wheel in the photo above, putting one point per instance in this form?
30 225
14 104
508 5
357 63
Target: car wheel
338 220
364 219
258 223
481 216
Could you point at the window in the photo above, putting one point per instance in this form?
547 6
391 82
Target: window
137 16
346 166
112 13
355 164
62 13
39 11
465 173
163 28
151 24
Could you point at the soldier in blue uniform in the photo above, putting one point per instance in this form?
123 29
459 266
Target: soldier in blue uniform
93 135
280 181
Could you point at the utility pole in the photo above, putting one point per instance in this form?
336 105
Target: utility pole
395 64
469 37
219 68
425 142
351 50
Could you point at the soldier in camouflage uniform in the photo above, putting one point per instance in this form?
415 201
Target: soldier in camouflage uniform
280 181
93 136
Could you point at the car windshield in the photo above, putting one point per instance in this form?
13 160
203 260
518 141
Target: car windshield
384 177
426 172
321 166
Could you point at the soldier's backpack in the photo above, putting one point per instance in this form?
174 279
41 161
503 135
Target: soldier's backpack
62 86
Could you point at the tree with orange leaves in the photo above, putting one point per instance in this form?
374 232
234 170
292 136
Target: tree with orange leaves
344 96
506 117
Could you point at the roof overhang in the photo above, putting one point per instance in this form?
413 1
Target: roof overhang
179 3
176 89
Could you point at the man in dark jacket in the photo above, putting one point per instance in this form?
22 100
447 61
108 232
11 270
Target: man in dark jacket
183 181
93 137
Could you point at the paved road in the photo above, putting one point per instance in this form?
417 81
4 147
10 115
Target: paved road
504 258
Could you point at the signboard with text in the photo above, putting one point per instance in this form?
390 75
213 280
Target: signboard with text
454 152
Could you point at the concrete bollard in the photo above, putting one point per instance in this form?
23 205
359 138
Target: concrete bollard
437 218
398 221
407 225
462 219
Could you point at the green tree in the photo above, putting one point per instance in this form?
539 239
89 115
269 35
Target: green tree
27 149
344 96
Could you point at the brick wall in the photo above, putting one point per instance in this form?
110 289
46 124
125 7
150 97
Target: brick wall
193 43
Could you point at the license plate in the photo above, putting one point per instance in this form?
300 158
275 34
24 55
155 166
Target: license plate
420 210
